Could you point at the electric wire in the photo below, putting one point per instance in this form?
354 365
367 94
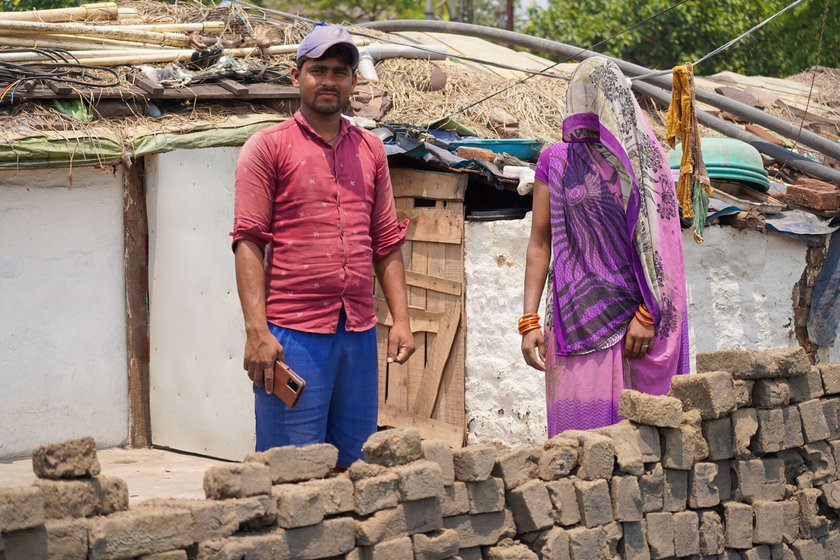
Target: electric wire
295 17
531 73
583 50
63 68
726 45
813 78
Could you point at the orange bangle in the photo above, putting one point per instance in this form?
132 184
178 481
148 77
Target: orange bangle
528 322
529 318
528 328
643 321
643 310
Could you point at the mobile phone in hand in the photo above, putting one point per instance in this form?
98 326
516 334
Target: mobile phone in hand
288 385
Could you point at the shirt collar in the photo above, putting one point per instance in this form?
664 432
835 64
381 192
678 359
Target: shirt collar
304 124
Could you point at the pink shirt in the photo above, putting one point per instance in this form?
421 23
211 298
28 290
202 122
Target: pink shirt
323 215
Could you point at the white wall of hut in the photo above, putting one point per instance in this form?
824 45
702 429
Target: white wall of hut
62 303
62 308
740 285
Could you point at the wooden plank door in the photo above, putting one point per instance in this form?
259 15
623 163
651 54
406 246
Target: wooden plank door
427 392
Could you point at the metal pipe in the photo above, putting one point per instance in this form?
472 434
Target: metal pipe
371 54
805 137
783 156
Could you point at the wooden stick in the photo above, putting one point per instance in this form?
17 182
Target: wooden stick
75 43
206 27
102 11
121 57
177 55
170 39
126 13
26 57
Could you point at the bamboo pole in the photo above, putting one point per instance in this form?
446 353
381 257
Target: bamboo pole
91 42
81 55
105 31
103 11
178 55
52 43
72 42
205 27
149 56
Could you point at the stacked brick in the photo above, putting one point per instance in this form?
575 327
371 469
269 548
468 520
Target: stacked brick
737 462
70 496
774 452
420 499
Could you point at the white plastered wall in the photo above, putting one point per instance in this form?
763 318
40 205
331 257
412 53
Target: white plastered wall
201 399
740 285
62 304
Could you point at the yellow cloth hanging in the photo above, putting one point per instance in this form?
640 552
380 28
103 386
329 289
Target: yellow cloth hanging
682 120
678 121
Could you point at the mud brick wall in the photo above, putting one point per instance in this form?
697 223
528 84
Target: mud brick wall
738 462
802 295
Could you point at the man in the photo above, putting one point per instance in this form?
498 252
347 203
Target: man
314 203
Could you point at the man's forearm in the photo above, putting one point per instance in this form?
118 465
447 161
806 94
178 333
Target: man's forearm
250 283
391 274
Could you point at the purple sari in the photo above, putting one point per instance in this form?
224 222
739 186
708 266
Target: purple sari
616 242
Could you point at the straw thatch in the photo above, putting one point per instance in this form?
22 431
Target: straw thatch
538 104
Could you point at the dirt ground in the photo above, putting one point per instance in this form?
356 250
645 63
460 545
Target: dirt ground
149 473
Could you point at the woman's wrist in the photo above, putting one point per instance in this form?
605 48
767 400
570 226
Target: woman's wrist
528 322
643 320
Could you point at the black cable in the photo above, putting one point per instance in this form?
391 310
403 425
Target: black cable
56 55
726 45
69 73
62 67
813 78
531 73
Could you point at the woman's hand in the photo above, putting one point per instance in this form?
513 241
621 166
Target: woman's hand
639 338
533 349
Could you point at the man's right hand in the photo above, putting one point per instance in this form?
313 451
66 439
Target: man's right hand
261 351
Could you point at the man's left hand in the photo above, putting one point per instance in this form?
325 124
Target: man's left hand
400 343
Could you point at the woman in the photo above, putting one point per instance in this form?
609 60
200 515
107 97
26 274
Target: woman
605 218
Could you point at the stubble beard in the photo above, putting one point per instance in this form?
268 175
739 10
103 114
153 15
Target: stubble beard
328 108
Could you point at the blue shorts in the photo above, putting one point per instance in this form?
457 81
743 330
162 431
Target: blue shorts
340 402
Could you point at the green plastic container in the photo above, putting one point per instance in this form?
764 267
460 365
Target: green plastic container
730 159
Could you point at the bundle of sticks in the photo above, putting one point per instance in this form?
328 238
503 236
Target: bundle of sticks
80 33
93 34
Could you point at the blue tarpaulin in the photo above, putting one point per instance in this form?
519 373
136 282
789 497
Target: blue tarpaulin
825 307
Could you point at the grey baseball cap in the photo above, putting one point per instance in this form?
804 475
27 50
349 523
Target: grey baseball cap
322 37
